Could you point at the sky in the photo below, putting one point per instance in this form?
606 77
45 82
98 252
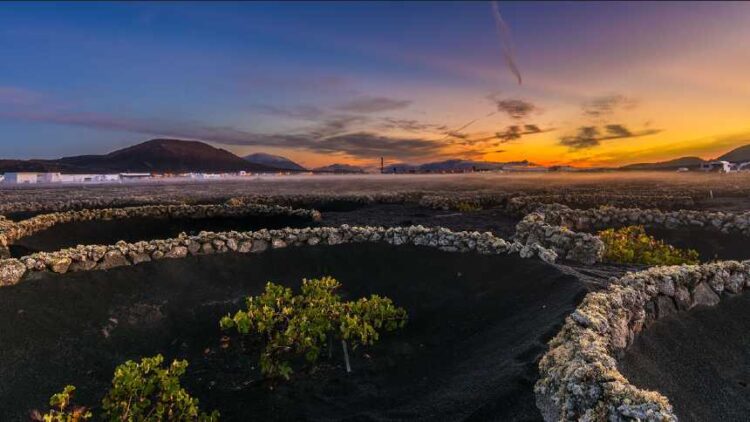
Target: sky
601 84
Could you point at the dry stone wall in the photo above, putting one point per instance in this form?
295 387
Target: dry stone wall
99 257
12 231
579 376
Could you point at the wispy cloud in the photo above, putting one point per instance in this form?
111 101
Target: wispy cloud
592 136
607 105
514 108
411 125
373 105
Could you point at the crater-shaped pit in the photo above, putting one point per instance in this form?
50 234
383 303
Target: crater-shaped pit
699 359
477 326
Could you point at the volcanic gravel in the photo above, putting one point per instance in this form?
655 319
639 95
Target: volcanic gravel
477 327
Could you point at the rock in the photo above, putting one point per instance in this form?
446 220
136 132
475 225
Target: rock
194 247
113 259
60 265
704 295
682 298
138 257
207 248
259 245
84 265
232 244
664 306
245 247
11 271
177 252
278 243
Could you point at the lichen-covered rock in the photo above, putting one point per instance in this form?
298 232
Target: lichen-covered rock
113 259
60 265
11 271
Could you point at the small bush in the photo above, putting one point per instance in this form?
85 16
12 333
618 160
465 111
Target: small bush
62 409
140 392
464 206
302 325
631 245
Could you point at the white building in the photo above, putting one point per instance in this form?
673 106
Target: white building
48 178
21 177
719 166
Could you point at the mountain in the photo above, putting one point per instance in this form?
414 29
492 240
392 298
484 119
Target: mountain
400 168
454 165
737 155
275 161
156 155
688 162
338 168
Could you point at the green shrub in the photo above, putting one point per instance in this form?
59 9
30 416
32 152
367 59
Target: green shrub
140 392
301 325
464 206
631 245
62 409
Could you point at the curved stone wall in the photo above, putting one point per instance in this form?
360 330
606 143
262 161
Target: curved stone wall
12 231
553 225
579 376
98 257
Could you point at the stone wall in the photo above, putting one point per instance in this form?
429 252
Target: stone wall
524 204
579 376
98 257
13 231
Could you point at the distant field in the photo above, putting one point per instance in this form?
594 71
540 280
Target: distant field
696 184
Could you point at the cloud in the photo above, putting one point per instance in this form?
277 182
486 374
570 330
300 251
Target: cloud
410 125
369 145
335 125
592 136
303 112
373 105
514 108
606 105
14 96
515 132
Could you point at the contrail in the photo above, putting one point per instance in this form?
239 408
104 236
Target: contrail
504 32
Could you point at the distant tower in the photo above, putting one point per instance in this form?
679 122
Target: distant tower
382 167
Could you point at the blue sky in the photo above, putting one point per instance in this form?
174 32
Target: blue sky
324 82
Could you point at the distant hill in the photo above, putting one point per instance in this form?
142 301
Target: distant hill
688 162
453 165
156 155
338 168
737 155
274 161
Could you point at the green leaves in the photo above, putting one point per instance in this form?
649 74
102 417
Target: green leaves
140 392
631 245
62 410
301 325
147 392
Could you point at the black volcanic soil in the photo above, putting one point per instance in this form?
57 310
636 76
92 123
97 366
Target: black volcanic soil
700 360
710 244
107 232
478 324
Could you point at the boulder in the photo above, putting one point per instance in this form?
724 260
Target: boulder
59 265
11 271
177 252
704 295
113 259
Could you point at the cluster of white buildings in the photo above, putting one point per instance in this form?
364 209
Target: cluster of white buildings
24 178
725 166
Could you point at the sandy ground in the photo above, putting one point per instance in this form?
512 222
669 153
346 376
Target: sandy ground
700 360
478 325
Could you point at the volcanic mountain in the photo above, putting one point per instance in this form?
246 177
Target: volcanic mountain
156 155
339 168
275 161
687 162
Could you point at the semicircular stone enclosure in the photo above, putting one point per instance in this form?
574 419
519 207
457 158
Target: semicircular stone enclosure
92 284
469 316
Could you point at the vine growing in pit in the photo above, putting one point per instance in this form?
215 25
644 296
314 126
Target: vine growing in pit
292 326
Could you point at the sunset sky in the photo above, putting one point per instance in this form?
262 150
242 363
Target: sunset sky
603 84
